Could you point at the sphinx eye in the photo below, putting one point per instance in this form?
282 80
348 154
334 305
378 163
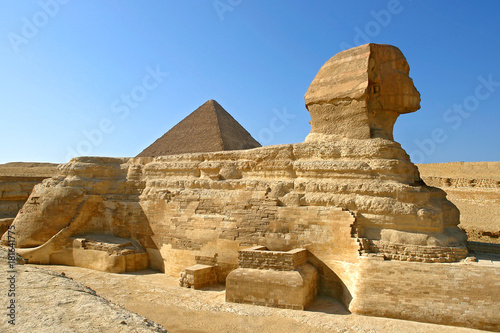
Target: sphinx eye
375 89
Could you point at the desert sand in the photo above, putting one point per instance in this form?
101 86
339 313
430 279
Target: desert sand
159 298
46 301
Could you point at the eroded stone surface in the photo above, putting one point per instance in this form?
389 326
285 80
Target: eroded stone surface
198 276
474 187
281 289
333 198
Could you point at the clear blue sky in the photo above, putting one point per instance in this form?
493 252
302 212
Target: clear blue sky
68 66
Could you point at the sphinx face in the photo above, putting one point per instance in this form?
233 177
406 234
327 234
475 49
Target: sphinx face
392 86
359 93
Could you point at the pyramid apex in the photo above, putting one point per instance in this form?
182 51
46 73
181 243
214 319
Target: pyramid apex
209 128
210 103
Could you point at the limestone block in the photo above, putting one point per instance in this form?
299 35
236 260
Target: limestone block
198 276
259 257
102 252
283 289
460 294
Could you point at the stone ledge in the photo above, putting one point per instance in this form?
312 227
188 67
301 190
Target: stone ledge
259 257
419 253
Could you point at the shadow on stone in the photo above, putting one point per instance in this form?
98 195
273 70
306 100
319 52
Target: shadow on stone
329 283
328 305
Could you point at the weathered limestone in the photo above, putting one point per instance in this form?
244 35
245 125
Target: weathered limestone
13 194
102 252
282 289
96 251
474 187
82 203
348 193
58 207
282 197
259 257
359 93
5 223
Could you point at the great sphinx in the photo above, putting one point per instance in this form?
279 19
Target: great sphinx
348 192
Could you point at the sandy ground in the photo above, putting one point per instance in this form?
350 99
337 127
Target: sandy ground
45 301
158 297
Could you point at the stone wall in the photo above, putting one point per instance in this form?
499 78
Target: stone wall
198 276
273 278
419 253
283 289
444 182
14 191
460 294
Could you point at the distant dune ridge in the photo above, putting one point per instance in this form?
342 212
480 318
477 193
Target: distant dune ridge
27 169
474 187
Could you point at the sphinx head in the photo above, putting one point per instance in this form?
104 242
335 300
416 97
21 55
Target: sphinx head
359 93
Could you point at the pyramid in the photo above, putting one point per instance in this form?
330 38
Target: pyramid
207 129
